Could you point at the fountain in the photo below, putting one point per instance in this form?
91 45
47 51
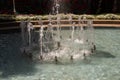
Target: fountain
68 43
51 44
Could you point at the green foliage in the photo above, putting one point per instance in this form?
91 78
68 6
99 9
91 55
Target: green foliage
112 16
7 17
102 16
87 16
63 16
108 17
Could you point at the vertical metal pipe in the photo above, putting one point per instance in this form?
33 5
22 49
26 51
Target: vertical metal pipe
14 7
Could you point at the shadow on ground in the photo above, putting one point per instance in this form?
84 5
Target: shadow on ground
103 54
16 66
12 63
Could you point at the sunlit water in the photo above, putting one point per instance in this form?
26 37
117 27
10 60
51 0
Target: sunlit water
104 65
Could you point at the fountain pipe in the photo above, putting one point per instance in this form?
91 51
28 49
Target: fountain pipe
58 27
56 59
29 28
41 43
22 25
71 57
14 7
73 29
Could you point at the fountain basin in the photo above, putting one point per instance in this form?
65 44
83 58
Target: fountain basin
104 65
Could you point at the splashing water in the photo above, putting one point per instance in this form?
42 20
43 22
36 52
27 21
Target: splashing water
52 45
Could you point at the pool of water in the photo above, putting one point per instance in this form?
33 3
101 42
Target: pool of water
104 65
